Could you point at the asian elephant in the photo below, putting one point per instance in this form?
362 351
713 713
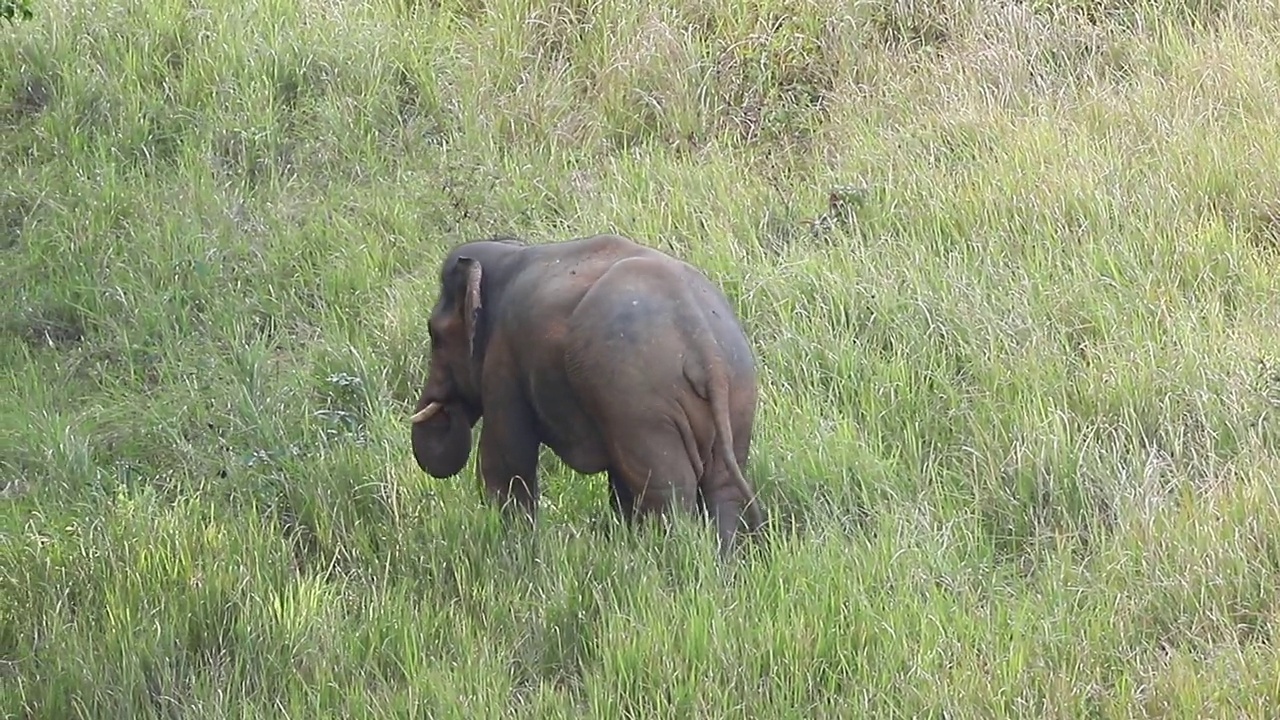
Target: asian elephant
618 357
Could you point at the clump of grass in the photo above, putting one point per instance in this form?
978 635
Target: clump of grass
1009 271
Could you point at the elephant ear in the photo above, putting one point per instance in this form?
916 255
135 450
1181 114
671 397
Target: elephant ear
470 270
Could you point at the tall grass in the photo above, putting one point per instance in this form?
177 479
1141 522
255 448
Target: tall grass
1010 269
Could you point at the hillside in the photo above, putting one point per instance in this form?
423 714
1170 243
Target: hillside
1012 271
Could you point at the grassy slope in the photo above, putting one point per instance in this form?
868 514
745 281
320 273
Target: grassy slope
1019 419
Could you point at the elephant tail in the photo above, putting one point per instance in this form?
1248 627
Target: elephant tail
717 390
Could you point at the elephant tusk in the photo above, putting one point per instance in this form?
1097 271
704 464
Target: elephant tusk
425 413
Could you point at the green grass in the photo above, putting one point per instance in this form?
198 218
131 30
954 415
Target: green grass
1020 414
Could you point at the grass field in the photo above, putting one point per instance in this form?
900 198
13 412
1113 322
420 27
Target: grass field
1020 419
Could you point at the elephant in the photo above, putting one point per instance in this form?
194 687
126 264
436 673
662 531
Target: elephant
618 357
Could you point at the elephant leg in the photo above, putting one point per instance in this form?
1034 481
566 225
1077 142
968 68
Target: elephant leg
728 518
621 498
725 504
702 504
509 459
654 467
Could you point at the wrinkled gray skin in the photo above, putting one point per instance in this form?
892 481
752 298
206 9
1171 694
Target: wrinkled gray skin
618 357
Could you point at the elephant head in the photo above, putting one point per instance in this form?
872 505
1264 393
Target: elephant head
450 403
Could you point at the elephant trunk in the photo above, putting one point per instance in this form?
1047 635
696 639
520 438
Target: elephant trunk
441 439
